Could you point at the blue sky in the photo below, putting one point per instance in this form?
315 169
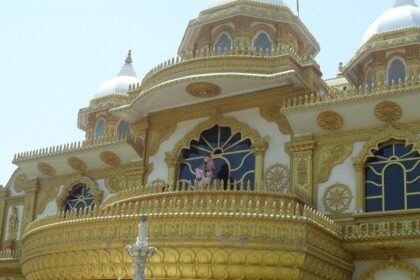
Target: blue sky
54 54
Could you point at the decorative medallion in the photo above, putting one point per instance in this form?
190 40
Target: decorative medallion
77 164
337 198
46 169
388 112
116 184
19 183
203 90
277 177
110 158
330 120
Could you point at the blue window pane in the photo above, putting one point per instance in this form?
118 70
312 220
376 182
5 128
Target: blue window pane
394 187
79 198
262 42
223 43
397 71
123 129
373 205
100 129
413 201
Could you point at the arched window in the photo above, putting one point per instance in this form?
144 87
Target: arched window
397 71
392 178
123 129
100 129
369 79
262 42
79 198
231 153
223 43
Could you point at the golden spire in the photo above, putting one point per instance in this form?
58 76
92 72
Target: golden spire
128 60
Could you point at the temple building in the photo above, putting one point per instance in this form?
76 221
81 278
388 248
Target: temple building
247 163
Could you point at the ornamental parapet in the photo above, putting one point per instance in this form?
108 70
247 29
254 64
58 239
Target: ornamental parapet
335 96
369 228
77 147
239 60
198 234
9 255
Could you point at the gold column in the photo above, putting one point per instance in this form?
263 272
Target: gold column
259 149
301 150
360 179
3 193
31 191
172 160
135 174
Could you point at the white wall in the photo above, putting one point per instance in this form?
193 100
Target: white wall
275 153
343 173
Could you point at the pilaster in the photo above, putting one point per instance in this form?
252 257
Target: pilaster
172 160
3 193
301 151
31 191
259 148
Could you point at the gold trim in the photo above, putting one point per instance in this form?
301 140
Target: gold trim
337 198
203 90
46 169
330 120
388 112
77 164
392 263
110 158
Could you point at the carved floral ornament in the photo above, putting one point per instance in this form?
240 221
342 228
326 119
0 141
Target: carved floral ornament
330 120
392 263
388 111
77 164
110 158
116 183
20 182
277 177
337 198
46 169
203 90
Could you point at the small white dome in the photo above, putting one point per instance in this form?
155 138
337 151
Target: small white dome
215 3
405 13
120 84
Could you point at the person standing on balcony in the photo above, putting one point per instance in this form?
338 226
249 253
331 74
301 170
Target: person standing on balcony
206 172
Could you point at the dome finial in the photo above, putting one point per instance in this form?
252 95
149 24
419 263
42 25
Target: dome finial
128 60
399 3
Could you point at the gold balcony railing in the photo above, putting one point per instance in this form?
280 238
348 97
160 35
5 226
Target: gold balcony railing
76 147
238 60
336 96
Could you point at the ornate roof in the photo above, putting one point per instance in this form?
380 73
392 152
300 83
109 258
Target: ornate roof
404 13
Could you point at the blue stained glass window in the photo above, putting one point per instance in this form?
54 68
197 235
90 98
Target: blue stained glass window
224 43
231 153
123 129
262 42
397 71
392 178
100 129
79 198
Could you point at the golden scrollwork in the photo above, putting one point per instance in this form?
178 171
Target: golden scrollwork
277 177
203 90
110 158
116 183
337 198
77 164
20 182
272 114
330 120
46 169
388 111
331 156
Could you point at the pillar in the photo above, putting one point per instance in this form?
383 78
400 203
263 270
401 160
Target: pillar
301 151
172 161
360 179
3 193
259 149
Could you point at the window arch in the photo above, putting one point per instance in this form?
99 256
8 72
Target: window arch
262 42
231 152
79 198
392 177
369 79
100 128
123 129
223 42
396 71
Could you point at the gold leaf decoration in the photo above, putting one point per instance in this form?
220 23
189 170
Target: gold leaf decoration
330 121
277 177
46 169
337 198
331 156
203 90
77 164
110 158
388 111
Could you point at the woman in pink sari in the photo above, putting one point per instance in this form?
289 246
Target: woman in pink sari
206 172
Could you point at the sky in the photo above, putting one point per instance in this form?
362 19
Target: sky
54 54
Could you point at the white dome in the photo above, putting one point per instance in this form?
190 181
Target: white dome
215 3
120 84
405 13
